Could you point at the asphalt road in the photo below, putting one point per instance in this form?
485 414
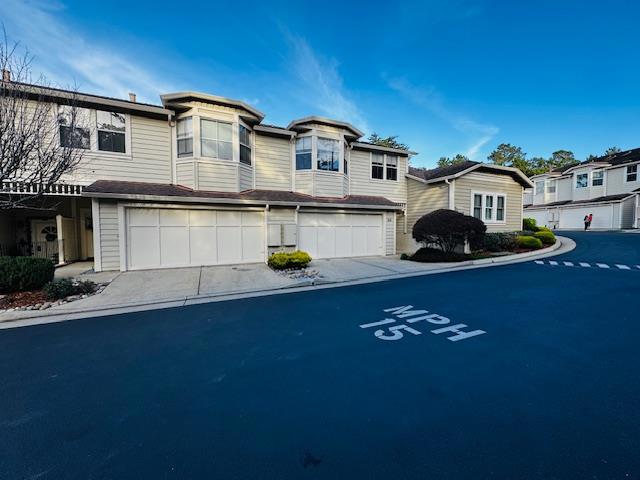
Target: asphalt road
291 387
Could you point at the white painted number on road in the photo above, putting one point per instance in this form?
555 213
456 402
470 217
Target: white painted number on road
396 332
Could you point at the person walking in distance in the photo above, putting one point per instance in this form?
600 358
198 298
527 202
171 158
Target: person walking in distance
590 219
586 222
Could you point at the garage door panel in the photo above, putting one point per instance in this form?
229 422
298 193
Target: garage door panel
229 245
144 247
573 218
143 217
203 245
343 241
252 244
252 219
174 246
307 220
326 242
229 218
374 241
174 218
359 241
202 218
307 240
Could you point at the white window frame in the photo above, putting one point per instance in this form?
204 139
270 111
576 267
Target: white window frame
309 150
193 137
540 184
125 133
494 207
384 167
217 139
249 145
338 143
627 173
578 175
593 178
549 184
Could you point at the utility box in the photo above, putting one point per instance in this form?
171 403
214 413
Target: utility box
289 235
274 236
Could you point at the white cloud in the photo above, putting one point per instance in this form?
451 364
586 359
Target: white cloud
322 84
432 101
66 58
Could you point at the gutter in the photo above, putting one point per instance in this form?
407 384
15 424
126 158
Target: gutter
607 202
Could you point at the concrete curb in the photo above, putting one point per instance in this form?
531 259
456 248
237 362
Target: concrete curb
37 318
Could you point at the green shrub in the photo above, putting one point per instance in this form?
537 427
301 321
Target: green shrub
404 256
500 242
546 236
284 260
525 241
18 274
58 289
529 224
435 255
448 230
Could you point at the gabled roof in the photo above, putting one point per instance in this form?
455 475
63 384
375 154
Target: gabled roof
381 148
172 193
300 123
178 98
449 172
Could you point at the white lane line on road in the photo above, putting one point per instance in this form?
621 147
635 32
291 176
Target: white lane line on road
585 264
553 262
568 264
539 262
602 265
622 267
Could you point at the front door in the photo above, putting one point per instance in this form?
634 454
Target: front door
86 228
44 237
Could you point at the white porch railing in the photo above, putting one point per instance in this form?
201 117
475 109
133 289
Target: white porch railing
26 188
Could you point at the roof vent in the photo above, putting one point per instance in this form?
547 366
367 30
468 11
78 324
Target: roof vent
132 97
6 75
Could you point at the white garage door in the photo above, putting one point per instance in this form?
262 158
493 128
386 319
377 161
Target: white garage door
573 218
159 238
327 235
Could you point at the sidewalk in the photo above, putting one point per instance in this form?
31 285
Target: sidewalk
154 289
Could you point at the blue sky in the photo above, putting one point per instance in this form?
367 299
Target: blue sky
446 77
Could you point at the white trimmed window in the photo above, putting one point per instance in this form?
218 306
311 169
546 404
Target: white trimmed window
73 127
328 154
303 153
184 133
597 178
245 145
216 139
384 167
489 207
392 167
112 129
582 180
632 173
377 166
551 186
539 187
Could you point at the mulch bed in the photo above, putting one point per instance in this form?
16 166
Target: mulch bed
22 299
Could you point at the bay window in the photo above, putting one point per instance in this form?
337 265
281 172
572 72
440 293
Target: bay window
597 178
328 154
392 167
73 129
632 173
489 207
216 139
582 180
551 186
185 137
303 153
245 145
111 128
377 166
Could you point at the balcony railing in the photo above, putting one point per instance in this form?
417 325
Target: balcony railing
26 188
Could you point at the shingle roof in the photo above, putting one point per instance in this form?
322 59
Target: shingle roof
111 187
441 172
606 198
619 158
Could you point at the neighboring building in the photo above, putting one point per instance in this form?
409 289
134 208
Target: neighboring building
606 187
201 180
489 192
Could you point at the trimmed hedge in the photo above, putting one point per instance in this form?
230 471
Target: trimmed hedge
284 260
500 242
19 274
545 236
64 287
529 224
525 241
435 255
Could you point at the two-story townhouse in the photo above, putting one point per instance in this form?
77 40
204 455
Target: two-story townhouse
201 180
606 187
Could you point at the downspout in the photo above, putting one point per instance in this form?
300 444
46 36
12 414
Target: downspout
174 167
266 233
452 192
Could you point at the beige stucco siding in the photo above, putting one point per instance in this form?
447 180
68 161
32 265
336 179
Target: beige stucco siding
109 235
421 199
478 182
361 182
272 163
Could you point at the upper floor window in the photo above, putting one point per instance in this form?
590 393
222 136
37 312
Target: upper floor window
632 173
489 207
597 178
303 153
377 166
328 154
345 163
216 139
392 167
245 145
185 137
73 132
551 186
582 180
111 128
539 187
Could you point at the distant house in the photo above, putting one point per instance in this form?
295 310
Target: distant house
201 180
607 187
